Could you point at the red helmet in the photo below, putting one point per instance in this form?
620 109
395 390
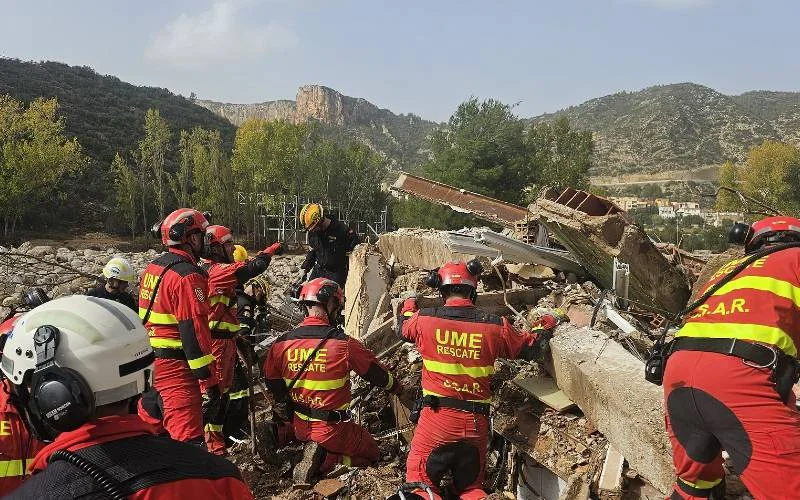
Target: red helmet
761 231
455 273
320 290
218 235
180 224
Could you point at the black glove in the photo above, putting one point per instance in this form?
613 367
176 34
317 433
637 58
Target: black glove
280 411
542 345
213 406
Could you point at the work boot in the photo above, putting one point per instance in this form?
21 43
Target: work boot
308 467
267 442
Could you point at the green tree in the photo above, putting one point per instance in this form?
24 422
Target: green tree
558 155
153 150
180 183
481 149
126 187
727 201
34 156
772 175
213 179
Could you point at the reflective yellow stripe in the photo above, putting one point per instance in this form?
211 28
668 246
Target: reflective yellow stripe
158 318
457 368
781 288
701 484
408 314
11 468
196 363
219 299
319 385
158 342
426 392
213 428
309 419
222 325
742 331
238 395
390 382
347 461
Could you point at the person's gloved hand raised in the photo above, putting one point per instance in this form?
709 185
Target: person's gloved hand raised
274 249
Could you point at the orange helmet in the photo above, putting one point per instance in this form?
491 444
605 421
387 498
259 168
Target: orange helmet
320 290
182 222
218 235
311 215
765 230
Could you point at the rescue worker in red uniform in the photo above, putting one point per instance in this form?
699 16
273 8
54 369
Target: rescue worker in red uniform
316 359
225 277
73 365
173 305
727 383
459 344
17 445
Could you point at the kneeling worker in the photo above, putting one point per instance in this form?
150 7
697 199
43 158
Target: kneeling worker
74 364
311 365
459 344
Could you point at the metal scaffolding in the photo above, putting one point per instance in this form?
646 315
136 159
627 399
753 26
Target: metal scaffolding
275 217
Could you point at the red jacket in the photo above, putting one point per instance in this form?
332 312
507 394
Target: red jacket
17 446
325 384
145 465
459 344
222 282
761 303
178 319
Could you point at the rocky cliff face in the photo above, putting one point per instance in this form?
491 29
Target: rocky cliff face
313 102
681 126
398 138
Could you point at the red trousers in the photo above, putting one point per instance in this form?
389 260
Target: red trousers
183 403
224 351
715 402
449 440
345 443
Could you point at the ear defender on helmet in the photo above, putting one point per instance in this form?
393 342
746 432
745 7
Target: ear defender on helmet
60 398
475 267
739 233
178 230
433 280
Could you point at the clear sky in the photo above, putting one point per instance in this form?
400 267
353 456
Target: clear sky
422 56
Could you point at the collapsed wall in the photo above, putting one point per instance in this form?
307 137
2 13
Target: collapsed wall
366 290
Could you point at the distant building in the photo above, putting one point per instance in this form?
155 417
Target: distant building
662 202
666 212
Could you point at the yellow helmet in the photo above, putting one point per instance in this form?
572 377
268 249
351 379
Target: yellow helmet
239 253
311 215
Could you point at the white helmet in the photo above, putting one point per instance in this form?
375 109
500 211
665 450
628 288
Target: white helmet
72 354
119 268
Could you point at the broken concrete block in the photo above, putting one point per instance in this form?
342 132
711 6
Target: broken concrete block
367 281
611 475
595 231
422 248
380 337
607 383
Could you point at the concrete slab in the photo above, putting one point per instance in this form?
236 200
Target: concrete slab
367 281
607 383
426 249
595 231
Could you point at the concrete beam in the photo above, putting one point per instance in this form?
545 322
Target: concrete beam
428 249
608 384
367 282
